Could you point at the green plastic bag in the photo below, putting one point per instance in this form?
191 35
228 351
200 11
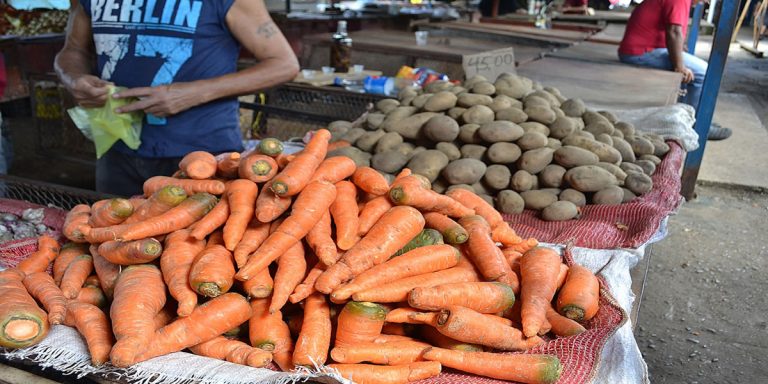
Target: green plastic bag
104 127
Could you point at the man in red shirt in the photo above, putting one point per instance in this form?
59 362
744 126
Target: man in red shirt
654 38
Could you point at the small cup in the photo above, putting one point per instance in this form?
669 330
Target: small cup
421 37
358 68
328 70
308 73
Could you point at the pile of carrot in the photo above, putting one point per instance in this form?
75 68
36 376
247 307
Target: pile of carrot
301 260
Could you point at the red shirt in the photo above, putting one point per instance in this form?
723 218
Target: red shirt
647 27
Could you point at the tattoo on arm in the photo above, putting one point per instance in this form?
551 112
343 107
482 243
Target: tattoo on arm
267 29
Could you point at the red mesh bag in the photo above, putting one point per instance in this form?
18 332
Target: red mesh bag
12 252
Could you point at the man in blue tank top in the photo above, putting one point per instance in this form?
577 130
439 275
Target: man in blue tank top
179 58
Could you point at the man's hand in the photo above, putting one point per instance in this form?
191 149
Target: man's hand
687 74
89 91
161 100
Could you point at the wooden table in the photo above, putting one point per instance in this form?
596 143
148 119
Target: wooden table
525 33
611 34
588 51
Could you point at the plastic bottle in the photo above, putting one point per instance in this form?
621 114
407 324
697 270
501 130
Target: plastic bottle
341 48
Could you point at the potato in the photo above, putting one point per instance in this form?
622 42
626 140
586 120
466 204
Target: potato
570 156
648 166
538 199
410 127
560 211
498 131
555 191
471 99
339 126
655 160
352 135
438 86
621 145
418 150
627 129
404 148
591 117
450 150
464 171
479 114
586 134
640 145
599 127
456 112
362 159
389 162
553 101
562 127
631 168
420 100
512 86
373 120
457 90
408 92
502 102
531 100
609 196
589 178
481 189
388 142
441 128
368 141
468 133
553 143
535 160
639 183
428 163
531 140
469 83
605 138
617 133
441 101
603 151
558 112
503 153
406 101
610 116
614 169
509 202
552 176
396 115
473 151
523 181
573 107
497 176
541 114
488 198
513 114
574 196
460 186
439 185
484 88
628 195
660 148
532 126
387 105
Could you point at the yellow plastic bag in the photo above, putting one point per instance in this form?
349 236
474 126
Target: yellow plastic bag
104 127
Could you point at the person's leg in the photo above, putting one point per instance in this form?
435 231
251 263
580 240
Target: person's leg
699 69
656 59
118 174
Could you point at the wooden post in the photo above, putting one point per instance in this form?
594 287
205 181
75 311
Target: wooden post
495 9
741 20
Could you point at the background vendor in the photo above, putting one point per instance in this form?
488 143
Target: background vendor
180 61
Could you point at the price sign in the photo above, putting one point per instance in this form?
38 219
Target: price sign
489 64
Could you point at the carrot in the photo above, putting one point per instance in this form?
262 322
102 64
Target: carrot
255 234
76 219
110 212
578 299
41 286
452 232
482 297
22 322
241 195
524 246
198 165
419 261
539 268
334 169
212 220
394 353
502 232
227 165
269 332
338 144
562 275
106 271
75 275
561 325
513 259
270 146
359 322
415 317
291 268
466 325
284 159
534 369
38 261
91 294
257 168
406 315
234 351
393 338
297 174
320 240
484 253
270 206
259 286
192 187
92 280
68 253
434 337
393 329
229 310
383 374
139 296
160 202
314 340
93 325
403 173
410 191
371 212
181 249
131 252
397 290
307 211
344 213
212 271
307 286
370 181
398 226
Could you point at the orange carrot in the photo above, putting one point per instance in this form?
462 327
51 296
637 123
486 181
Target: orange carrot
371 181
139 296
502 232
41 286
160 202
561 325
110 212
22 322
320 240
338 144
578 299
371 212
344 213
212 271
513 259
395 229
397 290
131 252
562 275
466 325
234 351
307 287
383 374
75 275
92 280
198 165
259 286
334 169
241 195
479 296
407 315
106 271
434 337
227 165
284 159
75 220
91 294
38 261
523 246
416 317
297 174
254 235
394 353
484 253
419 261
214 187
403 173
411 191
452 232
307 211
269 332
534 369
257 168
291 268
68 253
212 220
315 337
359 322
181 249
392 338
93 325
270 206
539 268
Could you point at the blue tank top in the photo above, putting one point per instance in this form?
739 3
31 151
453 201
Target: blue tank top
153 42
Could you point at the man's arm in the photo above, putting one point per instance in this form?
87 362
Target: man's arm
675 49
252 26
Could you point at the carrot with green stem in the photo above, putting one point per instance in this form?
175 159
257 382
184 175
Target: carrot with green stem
270 206
198 165
580 295
314 340
483 297
110 212
397 291
469 326
234 351
320 240
344 213
539 268
257 168
452 232
227 165
502 232
93 325
394 353
434 337
388 374
533 369
269 332
38 261
411 191
561 325
371 212
484 253
212 272
41 286
241 195
370 181
359 322
395 229
22 322
91 294
192 187
298 173
270 146
68 253
426 237
254 235
158 203
75 221
181 249
291 268
212 220
75 275
334 169
307 286
131 252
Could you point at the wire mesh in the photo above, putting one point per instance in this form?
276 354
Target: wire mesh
46 194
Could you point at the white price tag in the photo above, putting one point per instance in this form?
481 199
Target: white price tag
489 64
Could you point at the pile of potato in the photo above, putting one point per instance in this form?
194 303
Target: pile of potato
515 143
